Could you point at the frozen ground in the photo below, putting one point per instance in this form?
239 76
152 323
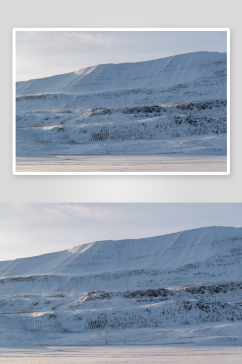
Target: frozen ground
218 343
190 154
132 164
121 355
175 105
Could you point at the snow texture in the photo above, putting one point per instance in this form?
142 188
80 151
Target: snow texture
179 96
183 287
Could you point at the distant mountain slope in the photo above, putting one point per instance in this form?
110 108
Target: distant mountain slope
179 96
161 73
193 256
187 278
179 78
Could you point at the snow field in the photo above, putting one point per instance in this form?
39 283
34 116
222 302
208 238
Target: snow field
119 165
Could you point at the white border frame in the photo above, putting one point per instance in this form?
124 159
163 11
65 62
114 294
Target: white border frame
116 29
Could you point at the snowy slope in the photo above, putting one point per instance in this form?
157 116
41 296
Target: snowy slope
183 95
187 278
209 68
188 257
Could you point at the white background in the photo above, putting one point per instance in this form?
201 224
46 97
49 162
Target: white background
125 13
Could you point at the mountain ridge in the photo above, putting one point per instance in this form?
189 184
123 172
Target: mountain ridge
122 63
151 74
133 239
191 256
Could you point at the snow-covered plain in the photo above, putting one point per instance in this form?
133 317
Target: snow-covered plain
130 164
181 291
138 108
121 355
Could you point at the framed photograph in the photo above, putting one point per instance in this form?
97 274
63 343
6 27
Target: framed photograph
121 101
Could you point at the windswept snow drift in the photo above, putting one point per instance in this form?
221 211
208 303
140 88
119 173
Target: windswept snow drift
187 278
172 97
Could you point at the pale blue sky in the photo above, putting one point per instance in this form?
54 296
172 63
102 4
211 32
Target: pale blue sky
33 229
44 53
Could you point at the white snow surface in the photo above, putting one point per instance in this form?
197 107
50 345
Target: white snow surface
161 74
121 354
179 96
180 288
187 257
122 163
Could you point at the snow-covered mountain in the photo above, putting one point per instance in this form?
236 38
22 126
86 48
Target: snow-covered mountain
198 75
189 277
188 257
183 95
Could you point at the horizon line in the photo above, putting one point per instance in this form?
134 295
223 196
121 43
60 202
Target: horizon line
103 64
